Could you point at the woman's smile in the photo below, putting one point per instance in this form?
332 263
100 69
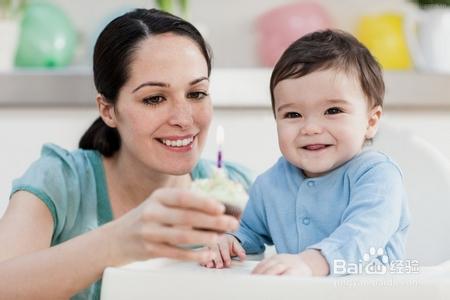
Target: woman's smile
178 143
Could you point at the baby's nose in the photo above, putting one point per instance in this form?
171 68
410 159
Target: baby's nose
311 128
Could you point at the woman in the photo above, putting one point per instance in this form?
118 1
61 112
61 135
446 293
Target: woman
122 197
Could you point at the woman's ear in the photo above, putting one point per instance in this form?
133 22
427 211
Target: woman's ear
106 110
374 118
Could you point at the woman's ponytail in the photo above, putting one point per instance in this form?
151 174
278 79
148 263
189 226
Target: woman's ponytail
100 137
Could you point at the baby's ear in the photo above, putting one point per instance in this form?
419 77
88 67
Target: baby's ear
372 124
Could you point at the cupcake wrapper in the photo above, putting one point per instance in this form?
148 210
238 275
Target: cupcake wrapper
233 210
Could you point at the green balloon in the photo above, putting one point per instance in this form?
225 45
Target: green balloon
47 38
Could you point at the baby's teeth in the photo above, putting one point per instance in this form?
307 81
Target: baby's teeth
179 143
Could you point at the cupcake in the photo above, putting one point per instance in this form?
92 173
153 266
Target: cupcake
219 187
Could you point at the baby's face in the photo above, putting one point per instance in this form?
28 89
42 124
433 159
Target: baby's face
322 120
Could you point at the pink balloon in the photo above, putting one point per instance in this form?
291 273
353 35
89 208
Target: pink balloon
279 27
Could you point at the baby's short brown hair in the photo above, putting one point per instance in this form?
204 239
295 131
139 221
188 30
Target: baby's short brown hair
331 49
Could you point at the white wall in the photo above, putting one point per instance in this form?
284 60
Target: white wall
230 23
23 131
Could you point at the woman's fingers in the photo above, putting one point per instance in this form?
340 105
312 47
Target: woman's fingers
170 218
189 200
179 235
178 207
192 218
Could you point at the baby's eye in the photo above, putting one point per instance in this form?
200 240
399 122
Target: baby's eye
333 111
197 95
153 100
292 115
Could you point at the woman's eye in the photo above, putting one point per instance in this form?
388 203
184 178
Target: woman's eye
292 115
333 111
197 95
153 100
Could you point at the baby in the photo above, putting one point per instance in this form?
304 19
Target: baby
328 201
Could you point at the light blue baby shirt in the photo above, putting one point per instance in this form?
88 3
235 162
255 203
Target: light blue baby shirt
73 187
358 206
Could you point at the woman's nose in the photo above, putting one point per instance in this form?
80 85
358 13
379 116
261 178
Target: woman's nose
181 114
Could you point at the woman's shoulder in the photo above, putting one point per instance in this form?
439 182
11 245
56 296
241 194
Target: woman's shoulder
50 150
56 157
60 178
57 167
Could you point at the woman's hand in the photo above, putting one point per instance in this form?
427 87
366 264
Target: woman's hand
306 264
226 247
167 218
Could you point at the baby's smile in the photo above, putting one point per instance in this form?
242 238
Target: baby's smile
315 147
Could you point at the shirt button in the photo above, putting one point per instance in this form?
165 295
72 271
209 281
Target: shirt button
310 183
306 221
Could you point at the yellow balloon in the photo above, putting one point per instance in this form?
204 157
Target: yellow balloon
383 35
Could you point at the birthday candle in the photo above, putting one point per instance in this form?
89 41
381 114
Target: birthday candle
219 140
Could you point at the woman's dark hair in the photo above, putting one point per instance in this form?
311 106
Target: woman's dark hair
113 54
330 49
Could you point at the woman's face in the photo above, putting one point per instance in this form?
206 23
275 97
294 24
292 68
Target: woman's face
164 110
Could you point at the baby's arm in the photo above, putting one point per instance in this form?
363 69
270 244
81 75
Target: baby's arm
250 237
253 233
374 214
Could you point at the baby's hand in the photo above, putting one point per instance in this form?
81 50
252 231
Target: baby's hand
227 247
283 264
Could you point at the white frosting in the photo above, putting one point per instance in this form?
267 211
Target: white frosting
221 188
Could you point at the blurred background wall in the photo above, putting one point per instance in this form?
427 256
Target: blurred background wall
230 25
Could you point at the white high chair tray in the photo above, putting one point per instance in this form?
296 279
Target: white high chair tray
171 279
